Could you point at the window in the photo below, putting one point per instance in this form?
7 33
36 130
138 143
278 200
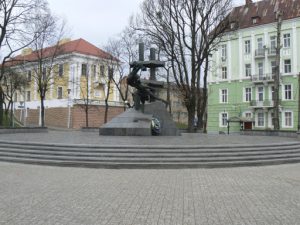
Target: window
259 43
273 40
272 93
224 97
110 72
288 92
233 25
102 71
287 40
83 69
224 117
260 70
29 76
16 97
287 66
59 92
260 91
60 70
288 119
254 20
248 93
248 115
97 93
94 71
260 119
224 73
247 47
44 73
224 52
248 70
28 96
273 68
272 119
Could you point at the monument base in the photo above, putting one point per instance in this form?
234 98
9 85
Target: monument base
136 123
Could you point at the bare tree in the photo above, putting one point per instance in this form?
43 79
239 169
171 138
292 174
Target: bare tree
49 30
277 71
187 31
15 15
85 91
121 54
12 82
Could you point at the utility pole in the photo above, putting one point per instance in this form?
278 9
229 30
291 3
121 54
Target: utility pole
277 73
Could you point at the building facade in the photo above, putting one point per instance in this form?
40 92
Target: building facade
241 79
80 72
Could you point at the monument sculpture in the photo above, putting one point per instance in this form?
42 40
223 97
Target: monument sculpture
148 109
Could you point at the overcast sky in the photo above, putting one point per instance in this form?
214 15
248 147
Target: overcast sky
97 20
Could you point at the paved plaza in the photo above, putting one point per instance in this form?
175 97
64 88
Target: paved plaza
56 195
31 194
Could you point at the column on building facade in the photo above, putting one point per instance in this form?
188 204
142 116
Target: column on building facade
253 72
218 65
77 80
89 79
35 90
267 68
294 50
51 84
241 58
229 61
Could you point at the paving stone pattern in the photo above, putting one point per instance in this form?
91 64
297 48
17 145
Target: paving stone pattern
44 195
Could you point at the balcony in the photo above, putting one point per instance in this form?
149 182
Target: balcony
265 104
260 53
263 78
100 81
262 104
271 52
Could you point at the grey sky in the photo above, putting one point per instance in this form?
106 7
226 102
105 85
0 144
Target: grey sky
97 20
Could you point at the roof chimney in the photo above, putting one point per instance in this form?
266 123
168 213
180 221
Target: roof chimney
248 2
26 51
64 41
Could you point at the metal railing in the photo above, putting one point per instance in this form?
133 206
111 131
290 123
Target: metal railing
263 104
260 52
272 52
97 102
262 77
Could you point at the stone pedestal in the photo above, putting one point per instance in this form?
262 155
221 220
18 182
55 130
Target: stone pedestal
136 123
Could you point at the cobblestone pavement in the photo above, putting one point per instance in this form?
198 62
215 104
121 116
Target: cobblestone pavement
235 196
77 137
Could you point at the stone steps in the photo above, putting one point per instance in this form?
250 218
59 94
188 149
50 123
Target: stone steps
149 156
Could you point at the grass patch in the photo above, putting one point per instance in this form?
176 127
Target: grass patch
181 125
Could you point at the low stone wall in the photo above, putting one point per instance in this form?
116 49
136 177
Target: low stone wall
23 130
58 117
292 134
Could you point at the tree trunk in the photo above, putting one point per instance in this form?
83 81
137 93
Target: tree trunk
277 74
106 111
191 117
11 114
87 115
1 106
168 91
42 112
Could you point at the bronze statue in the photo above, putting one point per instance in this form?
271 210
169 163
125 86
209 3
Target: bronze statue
144 91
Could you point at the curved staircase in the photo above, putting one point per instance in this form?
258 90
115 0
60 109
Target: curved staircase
155 156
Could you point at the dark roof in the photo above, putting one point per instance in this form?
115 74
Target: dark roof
264 11
76 46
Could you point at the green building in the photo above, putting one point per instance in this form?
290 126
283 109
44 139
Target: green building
241 79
